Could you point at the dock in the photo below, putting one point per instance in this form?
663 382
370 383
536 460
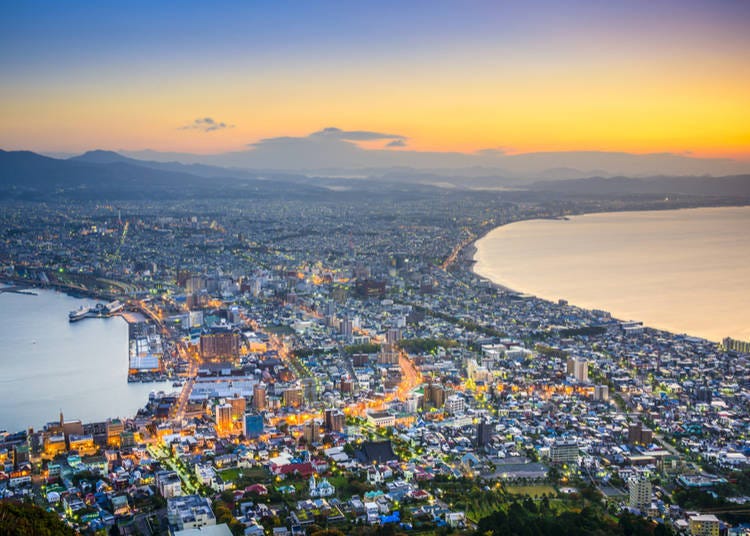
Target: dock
17 289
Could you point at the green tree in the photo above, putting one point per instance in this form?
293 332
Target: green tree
22 519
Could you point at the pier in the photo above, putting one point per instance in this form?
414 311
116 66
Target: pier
17 289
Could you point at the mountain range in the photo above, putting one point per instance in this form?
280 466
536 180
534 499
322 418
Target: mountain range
336 152
109 175
104 174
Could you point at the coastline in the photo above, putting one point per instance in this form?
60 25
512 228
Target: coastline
70 290
468 261
82 366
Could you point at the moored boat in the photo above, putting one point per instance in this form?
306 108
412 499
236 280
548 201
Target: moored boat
79 314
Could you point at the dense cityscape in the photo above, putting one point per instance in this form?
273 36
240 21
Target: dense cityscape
326 376
375 268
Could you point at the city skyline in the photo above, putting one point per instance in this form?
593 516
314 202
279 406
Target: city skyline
328 268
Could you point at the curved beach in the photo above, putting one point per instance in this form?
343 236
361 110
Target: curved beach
683 271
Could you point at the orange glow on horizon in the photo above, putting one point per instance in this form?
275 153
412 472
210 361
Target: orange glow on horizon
627 107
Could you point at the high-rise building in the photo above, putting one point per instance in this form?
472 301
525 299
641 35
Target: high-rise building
223 419
334 420
733 345
222 346
570 369
634 433
309 390
347 385
115 427
259 397
195 319
639 435
388 354
252 426
194 284
484 433
360 360
564 451
578 368
434 395
392 336
347 328
601 393
239 405
293 397
311 432
369 289
581 371
127 439
455 405
412 403
640 493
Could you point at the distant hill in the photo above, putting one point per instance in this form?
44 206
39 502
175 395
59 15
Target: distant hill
107 175
731 186
332 151
99 156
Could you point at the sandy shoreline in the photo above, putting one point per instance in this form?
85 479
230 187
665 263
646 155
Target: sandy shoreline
470 262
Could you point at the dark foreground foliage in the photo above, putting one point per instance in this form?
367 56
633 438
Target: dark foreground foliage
24 519
527 520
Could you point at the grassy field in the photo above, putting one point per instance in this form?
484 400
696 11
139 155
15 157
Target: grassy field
257 474
278 330
229 475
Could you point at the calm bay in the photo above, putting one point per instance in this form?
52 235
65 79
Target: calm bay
684 271
48 364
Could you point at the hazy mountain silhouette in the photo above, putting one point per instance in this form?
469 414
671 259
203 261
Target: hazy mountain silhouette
332 151
104 174
731 186
99 156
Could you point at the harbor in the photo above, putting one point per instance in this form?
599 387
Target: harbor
145 350
17 289
145 353
82 366
100 310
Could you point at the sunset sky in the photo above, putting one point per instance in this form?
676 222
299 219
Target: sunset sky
208 77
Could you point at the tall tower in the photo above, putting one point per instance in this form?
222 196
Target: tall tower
259 397
223 419
640 493
484 430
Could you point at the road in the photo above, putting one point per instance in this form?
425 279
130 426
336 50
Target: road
166 457
456 250
178 411
187 388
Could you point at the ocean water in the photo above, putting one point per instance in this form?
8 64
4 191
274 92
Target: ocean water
685 271
48 364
